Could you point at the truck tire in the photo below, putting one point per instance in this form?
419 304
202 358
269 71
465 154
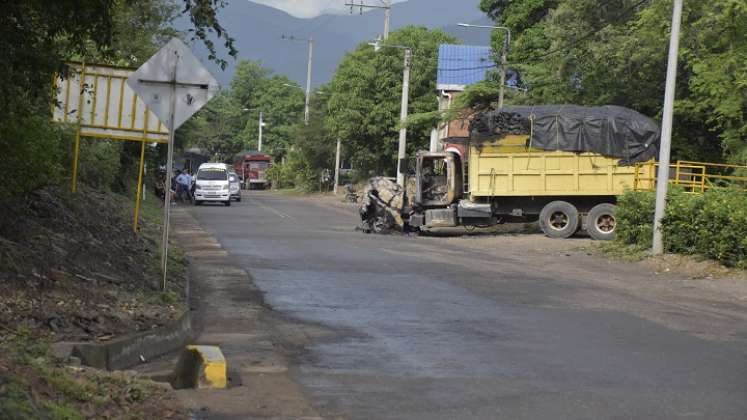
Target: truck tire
559 219
601 222
227 203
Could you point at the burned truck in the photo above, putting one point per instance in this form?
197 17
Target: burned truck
563 166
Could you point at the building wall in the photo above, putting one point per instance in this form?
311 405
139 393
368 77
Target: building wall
455 128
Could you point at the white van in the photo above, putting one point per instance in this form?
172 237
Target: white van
211 184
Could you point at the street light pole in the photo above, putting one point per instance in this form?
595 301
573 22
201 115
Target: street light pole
261 125
666 129
504 54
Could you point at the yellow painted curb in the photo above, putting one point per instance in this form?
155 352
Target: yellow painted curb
202 367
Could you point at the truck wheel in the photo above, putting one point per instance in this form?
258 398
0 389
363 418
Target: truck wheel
601 222
227 203
559 219
198 203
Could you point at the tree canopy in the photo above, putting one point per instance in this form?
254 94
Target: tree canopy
37 37
615 52
366 91
229 123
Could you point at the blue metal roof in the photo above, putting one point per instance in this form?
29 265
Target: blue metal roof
462 65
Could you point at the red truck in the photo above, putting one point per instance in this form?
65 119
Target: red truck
252 168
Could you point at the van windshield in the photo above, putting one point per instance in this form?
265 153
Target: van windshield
212 175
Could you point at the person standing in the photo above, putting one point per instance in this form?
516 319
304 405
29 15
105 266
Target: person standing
183 185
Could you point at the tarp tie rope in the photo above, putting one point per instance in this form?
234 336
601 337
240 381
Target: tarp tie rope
531 134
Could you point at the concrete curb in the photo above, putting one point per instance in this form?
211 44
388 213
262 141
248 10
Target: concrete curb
126 352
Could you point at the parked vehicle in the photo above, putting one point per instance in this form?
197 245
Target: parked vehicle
212 184
234 185
252 168
561 166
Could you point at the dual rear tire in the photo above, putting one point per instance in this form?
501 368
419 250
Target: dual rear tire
561 219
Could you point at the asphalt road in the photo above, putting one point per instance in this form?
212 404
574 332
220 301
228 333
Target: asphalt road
425 328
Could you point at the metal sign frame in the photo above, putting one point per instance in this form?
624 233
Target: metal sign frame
97 99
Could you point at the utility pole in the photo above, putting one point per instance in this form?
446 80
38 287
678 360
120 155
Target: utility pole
402 151
504 53
308 82
310 41
662 177
401 155
337 167
261 124
386 5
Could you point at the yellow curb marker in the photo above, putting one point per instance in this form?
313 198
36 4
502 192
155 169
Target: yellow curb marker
202 367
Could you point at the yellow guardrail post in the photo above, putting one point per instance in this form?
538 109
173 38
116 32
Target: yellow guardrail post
76 150
141 169
76 154
703 180
139 193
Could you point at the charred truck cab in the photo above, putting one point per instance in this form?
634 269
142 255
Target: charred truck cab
439 194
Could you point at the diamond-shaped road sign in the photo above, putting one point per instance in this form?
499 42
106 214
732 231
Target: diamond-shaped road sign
174 69
174 85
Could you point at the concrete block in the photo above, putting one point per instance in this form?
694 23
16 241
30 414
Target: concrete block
201 367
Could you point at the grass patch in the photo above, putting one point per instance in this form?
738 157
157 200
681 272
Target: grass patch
628 253
292 192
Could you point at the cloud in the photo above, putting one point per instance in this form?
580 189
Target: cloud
312 8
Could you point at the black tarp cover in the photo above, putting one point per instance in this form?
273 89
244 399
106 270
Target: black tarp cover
609 130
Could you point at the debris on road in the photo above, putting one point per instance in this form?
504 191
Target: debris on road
381 206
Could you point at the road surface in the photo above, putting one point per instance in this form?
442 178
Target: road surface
463 328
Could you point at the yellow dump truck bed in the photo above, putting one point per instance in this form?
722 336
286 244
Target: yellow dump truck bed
508 167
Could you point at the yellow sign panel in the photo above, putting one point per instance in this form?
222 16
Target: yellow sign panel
98 98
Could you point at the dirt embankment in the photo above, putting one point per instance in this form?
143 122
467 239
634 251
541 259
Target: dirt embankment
72 269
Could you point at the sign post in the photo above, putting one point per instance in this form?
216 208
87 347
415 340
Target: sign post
175 85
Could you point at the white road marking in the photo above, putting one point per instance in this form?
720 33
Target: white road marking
277 212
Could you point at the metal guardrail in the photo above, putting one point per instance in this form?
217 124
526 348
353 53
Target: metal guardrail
693 177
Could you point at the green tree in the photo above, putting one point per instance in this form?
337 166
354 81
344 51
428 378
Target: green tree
615 52
214 128
281 101
312 151
37 37
229 124
365 97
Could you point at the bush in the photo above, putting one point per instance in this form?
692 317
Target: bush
681 222
99 164
34 152
635 215
713 224
722 227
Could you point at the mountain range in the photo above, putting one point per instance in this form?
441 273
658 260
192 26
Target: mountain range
258 30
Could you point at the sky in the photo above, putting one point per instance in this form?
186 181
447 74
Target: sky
313 8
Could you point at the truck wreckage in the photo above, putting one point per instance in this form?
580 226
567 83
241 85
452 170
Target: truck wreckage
563 166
